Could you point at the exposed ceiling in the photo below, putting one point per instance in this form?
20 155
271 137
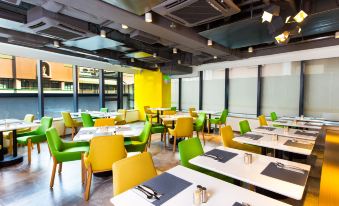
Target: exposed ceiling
186 25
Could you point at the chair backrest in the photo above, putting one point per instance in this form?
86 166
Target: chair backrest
123 116
87 120
103 122
103 109
146 109
223 116
45 124
262 120
146 132
68 121
227 136
244 127
169 112
105 150
132 171
189 149
29 118
184 127
173 108
192 112
54 141
200 122
274 116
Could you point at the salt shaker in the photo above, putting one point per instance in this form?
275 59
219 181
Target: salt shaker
203 195
275 137
197 196
247 158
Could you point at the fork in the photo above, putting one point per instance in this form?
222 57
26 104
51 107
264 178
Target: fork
289 167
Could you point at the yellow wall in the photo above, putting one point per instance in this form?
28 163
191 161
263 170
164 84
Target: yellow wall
150 89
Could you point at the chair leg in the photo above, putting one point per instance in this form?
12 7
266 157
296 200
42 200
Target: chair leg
38 146
51 184
219 128
174 144
50 153
65 131
149 141
88 182
29 150
73 131
10 147
60 167
83 169
209 126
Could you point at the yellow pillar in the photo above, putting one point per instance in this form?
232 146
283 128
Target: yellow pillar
151 89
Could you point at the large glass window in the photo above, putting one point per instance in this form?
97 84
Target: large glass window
88 89
280 85
243 90
111 90
190 93
321 88
214 90
128 81
175 93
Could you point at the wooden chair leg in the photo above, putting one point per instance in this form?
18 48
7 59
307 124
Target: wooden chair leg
51 184
38 146
10 147
50 153
60 167
88 182
203 136
65 131
73 130
149 141
219 128
174 144
209 126
83 169
29 150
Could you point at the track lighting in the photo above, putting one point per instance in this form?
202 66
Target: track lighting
175 50
336 35
179 61
132 60
283 37
209 42
250 49
266 16
155 55
56 44
103 33
148 17
215 57
124 26
300 17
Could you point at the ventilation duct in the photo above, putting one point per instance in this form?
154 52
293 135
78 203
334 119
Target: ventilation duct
15 2
144 37
195 12
54 25
24 41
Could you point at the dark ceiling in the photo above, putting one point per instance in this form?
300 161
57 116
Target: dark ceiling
232 32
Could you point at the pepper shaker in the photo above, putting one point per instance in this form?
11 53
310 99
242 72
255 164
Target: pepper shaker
203 195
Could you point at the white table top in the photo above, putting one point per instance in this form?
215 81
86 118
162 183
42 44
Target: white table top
87 133
207 111
290 133
160 108
14 124
267 141
221 193
303 119
97 114
299 124
251 173
172 117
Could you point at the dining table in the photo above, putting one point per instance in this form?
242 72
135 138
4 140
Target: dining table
87 133
283 177
299 124
160 111
178 184
209 113
12 125
288 132
97 114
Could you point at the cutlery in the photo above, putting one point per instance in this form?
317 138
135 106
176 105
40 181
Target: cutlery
289 167
147 192
213 156
151 189
147 195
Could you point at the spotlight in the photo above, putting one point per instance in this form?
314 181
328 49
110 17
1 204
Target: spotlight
103 33
132 59
215 57
56 44
209 42
148 17
179 61
155 55
300 17
124 26
250 49
266 16
287 19
283 37
336 35
175 50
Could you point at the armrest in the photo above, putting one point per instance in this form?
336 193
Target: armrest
67 145
27 133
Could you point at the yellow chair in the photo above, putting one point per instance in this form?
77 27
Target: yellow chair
227 140
262 120
193 112
132 171
104 122
168 124
149 113
103 152
70 123
121 119
183 128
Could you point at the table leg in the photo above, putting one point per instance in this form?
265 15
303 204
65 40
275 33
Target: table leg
158 116
15 144
1 146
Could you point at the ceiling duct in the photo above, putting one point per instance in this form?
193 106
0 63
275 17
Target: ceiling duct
24 41
15 2
204 11
175 69
144 37
54 25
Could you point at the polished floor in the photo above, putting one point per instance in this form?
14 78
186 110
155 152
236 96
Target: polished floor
29 185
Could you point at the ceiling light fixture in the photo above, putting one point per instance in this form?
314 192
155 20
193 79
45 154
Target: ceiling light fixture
215 57
287 19
56 44
209 42
179 61
266 16
175 50
148 17
132 59
283 37
300 17
336 35
103 33
250 49
155 55
124 26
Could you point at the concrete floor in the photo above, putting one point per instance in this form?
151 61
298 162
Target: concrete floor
29 185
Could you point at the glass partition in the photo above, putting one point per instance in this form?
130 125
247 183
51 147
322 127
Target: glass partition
190 93
175 93
111 90
214 90
88 89
128 81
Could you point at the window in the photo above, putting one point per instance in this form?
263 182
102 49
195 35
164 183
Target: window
214 90
29 84
111 90
68 86
88 89
190 93
175 93
128 82
6 84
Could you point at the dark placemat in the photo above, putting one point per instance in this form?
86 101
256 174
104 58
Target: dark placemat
252 136
267 128
168 185
298 144
222 154
237 204
306 133
286 175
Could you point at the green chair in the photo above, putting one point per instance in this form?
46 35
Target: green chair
218 120
87 120
140 143
199 125
274 116
191 148
104 109
244 127
35 136
64 151
155 129
173 108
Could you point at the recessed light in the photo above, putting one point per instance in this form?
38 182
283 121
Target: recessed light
132 59
179 61
209 42
148 17
155 55
175 50
336 35
215 57
124 26
103 33
250 49
56 43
